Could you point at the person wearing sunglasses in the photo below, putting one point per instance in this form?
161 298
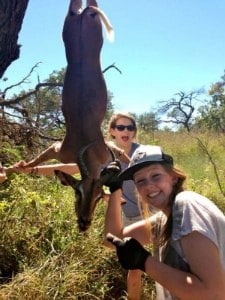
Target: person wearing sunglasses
122 130
186 235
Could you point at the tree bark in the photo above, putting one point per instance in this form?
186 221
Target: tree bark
11 18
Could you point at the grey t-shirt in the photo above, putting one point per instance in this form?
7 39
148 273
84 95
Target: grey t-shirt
130 209
191 212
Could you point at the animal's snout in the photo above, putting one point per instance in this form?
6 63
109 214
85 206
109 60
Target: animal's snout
83 225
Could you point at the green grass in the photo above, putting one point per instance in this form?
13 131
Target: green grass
41 248
40 240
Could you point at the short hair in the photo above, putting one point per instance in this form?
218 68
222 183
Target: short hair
115 117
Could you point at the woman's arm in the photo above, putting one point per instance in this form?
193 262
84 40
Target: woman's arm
46 170
207 278
49 170
113 219
114 224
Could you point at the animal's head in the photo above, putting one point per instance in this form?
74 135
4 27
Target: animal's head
88 192
83 27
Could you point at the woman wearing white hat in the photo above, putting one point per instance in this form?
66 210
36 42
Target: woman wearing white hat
187 234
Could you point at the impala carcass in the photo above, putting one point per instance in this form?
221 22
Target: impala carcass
84 103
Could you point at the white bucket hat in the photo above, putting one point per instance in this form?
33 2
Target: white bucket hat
144 156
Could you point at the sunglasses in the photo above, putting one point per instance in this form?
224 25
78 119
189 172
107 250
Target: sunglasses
123 127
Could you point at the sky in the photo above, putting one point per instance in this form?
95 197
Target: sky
162 47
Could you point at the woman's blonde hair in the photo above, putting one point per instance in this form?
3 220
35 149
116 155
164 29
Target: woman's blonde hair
116 117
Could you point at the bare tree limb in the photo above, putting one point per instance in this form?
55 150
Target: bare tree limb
111 66
3 93
37 88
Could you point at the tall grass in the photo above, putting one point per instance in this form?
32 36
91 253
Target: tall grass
42 254
41 244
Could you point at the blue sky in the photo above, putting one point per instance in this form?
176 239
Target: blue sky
161 47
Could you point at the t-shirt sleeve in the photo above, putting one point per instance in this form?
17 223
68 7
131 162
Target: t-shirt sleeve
192 212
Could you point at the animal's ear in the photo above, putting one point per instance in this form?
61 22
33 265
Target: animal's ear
66 179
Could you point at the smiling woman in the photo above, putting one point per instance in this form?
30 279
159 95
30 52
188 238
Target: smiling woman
187 232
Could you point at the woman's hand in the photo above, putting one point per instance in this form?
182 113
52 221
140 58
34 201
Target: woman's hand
130 252
21 167
20 164
109 176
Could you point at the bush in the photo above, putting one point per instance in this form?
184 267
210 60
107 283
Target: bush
44 257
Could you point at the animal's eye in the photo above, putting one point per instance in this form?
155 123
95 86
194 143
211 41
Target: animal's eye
78 192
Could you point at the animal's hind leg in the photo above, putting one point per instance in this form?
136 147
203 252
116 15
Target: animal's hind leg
75 6
92 3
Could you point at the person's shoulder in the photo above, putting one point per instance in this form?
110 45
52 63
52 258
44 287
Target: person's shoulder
190 197
195 201
134 146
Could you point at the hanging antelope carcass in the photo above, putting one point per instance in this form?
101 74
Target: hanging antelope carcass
84 103
84 106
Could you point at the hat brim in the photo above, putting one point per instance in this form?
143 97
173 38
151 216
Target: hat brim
129 172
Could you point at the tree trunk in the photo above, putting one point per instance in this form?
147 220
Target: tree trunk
11 18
